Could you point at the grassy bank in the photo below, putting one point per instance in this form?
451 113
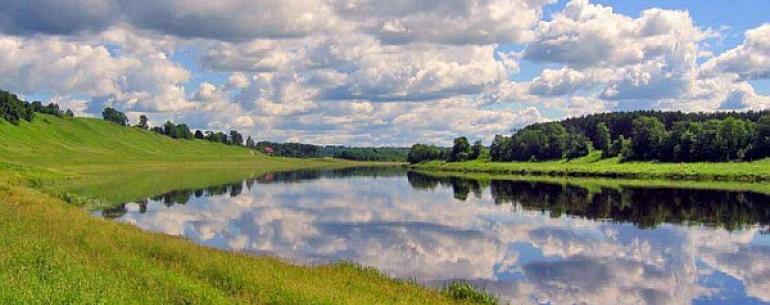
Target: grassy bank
52 252
594 166
595 184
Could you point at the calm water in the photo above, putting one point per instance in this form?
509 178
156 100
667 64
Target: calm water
532 243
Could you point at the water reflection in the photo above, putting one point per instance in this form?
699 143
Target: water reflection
645 207
533 243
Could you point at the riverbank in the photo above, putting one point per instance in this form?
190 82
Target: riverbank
594 166
54 252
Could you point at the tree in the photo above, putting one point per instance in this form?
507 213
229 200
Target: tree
69 113
761 140
199 135
250 143
735 136
421 152
476 150
169 129
539 142
143 122
680 143
648 135
530 144
183 132
117 117
557 141
461 150
500 150
578 146
617 148
236 138
603 137
13 110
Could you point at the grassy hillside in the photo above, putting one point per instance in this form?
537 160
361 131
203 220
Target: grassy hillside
592 165
56 142
52 252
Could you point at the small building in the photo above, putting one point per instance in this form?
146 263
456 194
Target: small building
269 150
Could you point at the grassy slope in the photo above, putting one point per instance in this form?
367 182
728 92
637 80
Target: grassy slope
54 253
593 165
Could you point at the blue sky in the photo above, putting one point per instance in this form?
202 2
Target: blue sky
385 73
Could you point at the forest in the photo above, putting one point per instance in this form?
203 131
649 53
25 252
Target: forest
632 136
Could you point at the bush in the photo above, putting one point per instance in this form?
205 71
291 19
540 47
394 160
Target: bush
464 292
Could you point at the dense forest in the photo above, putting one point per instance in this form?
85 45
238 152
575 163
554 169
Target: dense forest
640 135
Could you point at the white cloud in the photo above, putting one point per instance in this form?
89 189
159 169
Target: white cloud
750 60
62 67
446 22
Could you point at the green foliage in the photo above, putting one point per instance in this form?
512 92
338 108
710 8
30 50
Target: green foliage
13 110
500 149
300 150
421 152
464 292
392 154
218 137
236 138
175 131
648 135
117 117
545 141
477 150
199 135
461 150
578 146
143 122
761 141
603 137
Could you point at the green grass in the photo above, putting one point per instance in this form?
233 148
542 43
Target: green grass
594 166
597 183
52 252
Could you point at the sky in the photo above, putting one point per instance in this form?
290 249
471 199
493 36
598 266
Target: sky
366 72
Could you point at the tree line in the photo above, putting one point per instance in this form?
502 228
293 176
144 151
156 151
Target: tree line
642 206
294 150
640 135
176 130
301 150
13 109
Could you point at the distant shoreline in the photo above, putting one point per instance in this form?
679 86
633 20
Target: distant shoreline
594 166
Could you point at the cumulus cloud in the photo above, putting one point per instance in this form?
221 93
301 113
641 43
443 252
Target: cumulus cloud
235 20
750 60
650 57
58 66
447 22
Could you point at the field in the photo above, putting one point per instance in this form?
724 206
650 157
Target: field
594 166
52 252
